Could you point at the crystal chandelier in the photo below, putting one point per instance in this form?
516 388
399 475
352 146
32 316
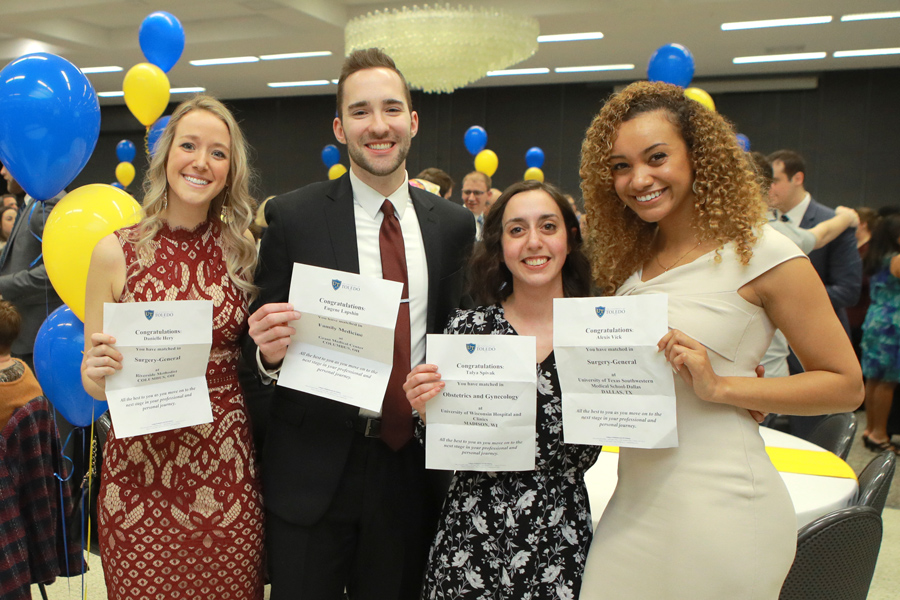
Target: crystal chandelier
442 48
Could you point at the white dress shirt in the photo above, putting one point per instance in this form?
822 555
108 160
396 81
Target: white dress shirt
368 217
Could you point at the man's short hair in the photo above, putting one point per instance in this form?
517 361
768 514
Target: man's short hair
479 175
439 178
370 58
10 324
792 161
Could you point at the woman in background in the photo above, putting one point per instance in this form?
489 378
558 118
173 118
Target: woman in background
674 208
517 534
881 331
180 511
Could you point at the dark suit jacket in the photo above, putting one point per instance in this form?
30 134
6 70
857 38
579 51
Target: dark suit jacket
837 263
25 285
309 437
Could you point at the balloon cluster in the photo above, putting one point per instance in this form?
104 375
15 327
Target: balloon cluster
485 160
534 160
125 152
146 85
673 63
331 156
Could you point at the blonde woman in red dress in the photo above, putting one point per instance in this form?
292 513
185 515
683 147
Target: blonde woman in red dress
180 512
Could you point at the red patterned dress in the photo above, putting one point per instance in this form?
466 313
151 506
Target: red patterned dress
181 512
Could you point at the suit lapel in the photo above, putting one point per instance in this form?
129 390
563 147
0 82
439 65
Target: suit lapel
432 241
341 221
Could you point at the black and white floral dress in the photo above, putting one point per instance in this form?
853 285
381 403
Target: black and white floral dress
515 535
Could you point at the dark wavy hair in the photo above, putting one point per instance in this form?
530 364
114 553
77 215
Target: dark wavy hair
489 280
883 244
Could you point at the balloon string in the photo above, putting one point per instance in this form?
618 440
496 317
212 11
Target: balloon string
147 141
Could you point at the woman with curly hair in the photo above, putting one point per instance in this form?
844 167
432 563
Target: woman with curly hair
674 208
180 511
517 534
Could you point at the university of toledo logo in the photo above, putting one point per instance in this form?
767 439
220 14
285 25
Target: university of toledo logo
335 283
148 314
601 310
470 348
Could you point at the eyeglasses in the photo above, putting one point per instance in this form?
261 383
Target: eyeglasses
473 193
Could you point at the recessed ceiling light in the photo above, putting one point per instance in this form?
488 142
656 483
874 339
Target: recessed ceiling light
187 90
570 37
518 72
224 61
870 16
110 69
871 52
594 68
110 94
294 55
281 84
776 23
743 60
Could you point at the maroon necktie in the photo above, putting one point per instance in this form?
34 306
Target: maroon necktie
396 413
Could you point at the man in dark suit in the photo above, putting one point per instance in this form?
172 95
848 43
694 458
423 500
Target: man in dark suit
23 276
349 506
838 262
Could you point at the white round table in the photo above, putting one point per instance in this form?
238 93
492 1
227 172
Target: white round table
813 495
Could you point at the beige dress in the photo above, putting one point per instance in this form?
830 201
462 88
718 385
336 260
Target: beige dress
710 519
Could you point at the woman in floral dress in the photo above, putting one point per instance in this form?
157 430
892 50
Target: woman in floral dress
525 534
180 511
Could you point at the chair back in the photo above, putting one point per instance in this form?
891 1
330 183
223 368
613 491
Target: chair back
836 556
875 481
835 433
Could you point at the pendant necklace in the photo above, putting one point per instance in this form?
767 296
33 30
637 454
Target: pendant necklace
666 269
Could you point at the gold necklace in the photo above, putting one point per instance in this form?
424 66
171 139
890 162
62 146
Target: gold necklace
666 269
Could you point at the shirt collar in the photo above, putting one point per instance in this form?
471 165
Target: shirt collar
796 213
370 200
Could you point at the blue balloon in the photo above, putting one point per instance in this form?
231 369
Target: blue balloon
672 63
154 133
743 142
49 122
57 364
116 184
125 151
475 139
331 155
162 39
534 158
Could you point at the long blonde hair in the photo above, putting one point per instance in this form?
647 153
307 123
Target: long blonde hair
234 207
728 206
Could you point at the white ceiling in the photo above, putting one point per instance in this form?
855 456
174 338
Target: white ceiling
93 33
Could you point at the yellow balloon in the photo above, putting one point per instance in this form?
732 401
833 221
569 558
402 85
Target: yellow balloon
146 90
695 93
486 162
336 171
125 173
534 173
78 221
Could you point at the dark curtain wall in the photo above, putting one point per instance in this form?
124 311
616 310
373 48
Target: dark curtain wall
848 130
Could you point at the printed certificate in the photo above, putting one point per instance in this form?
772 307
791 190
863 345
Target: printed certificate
165 348
484 418
617 389
344 346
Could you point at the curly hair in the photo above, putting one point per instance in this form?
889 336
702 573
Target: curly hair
235 207
728 205
489 280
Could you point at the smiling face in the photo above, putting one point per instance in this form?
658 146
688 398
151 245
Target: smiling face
475 194
377 126
534 241
651 168
198 162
